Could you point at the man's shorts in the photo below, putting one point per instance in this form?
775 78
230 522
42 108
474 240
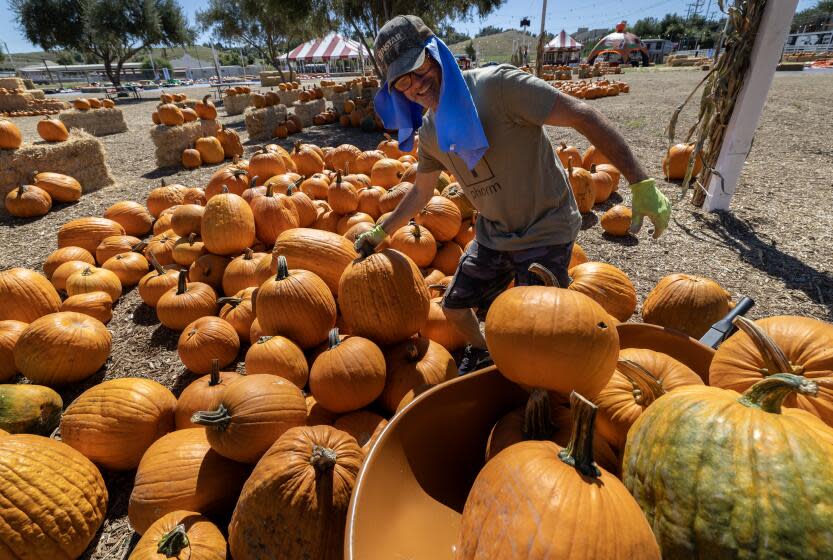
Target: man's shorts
484 273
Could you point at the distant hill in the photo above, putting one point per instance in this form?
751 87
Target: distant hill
203 53
498 47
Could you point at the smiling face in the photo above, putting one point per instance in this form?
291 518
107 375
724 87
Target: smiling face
423 84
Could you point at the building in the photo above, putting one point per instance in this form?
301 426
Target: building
658 49
820 41
50 72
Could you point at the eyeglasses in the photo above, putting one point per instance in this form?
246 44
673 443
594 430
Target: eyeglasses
405 81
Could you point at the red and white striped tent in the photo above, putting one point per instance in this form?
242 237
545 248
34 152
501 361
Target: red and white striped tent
562 41
329 48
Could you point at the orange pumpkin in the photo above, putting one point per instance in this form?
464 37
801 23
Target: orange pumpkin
617 221
98 305
202 394
10 331
65 254
581 183
128 267
191 158
442 218
181 535
133 217
608 286
52 130
277 355
155 283
28 201
688 303
185 303
364 425
412 367
676 161
10 136
62 188
228 225
323 253
25 295
87 232
92 279
416 242
205 340
565 152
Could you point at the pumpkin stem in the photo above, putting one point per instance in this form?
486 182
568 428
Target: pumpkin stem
192 238
538 424
570 167
232 301
775 361
270 189
161 182
412 352
247 254
182 282
646 387
21 189
238 172
563 145
87 271
322 458
769 393
579 452
416 231
214 374
217 419
592 168
224 189
264 339
333 338
283 269
545 275
387 137
139 247
155 263
174 542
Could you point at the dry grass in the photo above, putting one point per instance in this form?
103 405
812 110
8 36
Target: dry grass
170 141
775 245
98 122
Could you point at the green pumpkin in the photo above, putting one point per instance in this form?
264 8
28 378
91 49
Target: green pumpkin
29 409
723 475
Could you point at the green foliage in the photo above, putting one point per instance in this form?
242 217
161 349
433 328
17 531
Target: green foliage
696 30
470 50
159 62
69 57
113 31
813 19
489 30
449 35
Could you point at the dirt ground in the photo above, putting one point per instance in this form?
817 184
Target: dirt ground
775 245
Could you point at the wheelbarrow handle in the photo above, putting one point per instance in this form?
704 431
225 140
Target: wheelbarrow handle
724 327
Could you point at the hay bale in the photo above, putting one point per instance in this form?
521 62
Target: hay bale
329 91
338 100
261 123
307 110
289 97
170 141
270 78
16 102
81 157
29 83
12 83
98 122
235 104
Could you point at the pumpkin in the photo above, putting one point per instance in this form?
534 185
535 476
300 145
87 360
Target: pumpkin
614 173
194 195
52 130
355 231
581 183
565 152
189 115
235 179
25 295
307 161
230 140
254 411
203 393
92 279
81 104
205 340
676 161
383 297
273 214
163 222
95 304
65 254
552 338
237 310
439 329
447 258
10 331
687 303
737 441
442 218
182 535
601 183
592 155
188 249
276 355
108 103
28 201
387 172
156 282
364 425
296 499
641 377
161 247
347 221
62 348
185 303
323 253
316 186
210 149
366 160
205 109
191 158
208 269
228 225
164 196
413 366
26 408
563 505
541 420
369 199
187 219
55 498
344 157
133 217
116 245
113 423
607 285
318 415
181 471
416 242
390 147
617 221
170 114
296 304
62 188
240 272
342 196
797 345
64 271
266 164
454 193
128 267
578 256
87 233
154 117
348 375
10 136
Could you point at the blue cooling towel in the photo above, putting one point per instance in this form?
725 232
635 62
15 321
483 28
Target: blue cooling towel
457 123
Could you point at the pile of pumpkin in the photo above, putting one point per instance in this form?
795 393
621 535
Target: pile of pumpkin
237 90
291 125
49 106
225 144
50 130
35 199
588 89
288 86
360 113
169 114
91 103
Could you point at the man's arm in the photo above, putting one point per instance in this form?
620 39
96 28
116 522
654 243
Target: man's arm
414 201
590 123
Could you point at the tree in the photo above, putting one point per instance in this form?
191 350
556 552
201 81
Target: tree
69 57
647 28
113 31
157 62
471 52
489 30
451 36
817 18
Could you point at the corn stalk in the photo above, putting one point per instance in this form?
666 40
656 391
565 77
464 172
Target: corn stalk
721 87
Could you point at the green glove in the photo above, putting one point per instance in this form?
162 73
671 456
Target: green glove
649 201
367 242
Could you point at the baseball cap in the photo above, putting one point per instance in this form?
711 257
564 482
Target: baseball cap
400 46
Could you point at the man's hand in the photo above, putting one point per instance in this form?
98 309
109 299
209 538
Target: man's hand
366 243
649 201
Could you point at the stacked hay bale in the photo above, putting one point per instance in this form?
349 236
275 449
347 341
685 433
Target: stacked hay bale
306 110
262 121
81 156
16 101
171 141
236 100
270 78
98 122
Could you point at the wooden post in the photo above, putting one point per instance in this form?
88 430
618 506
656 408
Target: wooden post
737 142
539 57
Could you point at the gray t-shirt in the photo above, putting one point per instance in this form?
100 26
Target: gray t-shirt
519 186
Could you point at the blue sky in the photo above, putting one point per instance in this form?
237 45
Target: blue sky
561 14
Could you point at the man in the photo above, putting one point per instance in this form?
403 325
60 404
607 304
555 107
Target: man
486 127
